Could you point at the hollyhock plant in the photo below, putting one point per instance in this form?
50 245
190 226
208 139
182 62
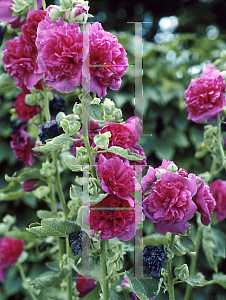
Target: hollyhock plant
60 53
204 201
117 178
218 190
170 204
22 146
108 62
116 219
84 285
20 62
24 111
205 96
10 251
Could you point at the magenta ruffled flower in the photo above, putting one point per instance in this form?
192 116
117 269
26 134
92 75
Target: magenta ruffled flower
108 61
205 96
120 222
10 251
204 201
24 111
218 190
20 62
84 285
60 53
117 178
148 180
22 146
30 28
170 205
6 14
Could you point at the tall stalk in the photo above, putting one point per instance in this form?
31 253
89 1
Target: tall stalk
169 270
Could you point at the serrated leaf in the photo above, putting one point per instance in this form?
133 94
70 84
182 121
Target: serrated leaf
143 288
53 227
208 245
24 174
220 279
7 83
197 281
94 199
71 163
124 153
49 279
53 144
95 112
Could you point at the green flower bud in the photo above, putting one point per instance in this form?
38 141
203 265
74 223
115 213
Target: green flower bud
182 272
77 109
66 3
223 111
21 8
159 173
173 168
102 140
109 106
117 114
70 127
60 116
118 288
47 170
54 13
115 263
8 219
81 155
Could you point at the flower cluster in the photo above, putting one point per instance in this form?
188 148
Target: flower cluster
119 215
10 250
174 198
205 96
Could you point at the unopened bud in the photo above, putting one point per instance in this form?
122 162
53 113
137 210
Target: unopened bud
182 272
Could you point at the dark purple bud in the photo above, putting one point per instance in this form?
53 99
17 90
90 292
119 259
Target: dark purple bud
78 240
56 105
153 258
48 130
29 185
16 124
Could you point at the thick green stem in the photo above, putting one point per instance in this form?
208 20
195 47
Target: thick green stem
104 282
86 139
219 140
212 170
69 277
193 261
169 270
22 274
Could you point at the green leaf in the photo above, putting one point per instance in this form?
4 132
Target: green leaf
94 271
7 83
197 281
208 245
44 214
94 294
124 153
187 243
24 174
143 288
71 163
82 212
53 227
53 265
76 191
220 243
220 279
49 279
12 195
22 234
95 112
54 144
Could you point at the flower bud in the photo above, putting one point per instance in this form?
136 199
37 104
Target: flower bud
54 13
109 106
223 111
173 168
159 173
182 272
70 128
47 170
102 140
66 3
81 155
117 114
115 263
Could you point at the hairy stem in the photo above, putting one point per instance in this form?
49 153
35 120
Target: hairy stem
104 282
219 140
28 287
193 261
169 270
46 102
